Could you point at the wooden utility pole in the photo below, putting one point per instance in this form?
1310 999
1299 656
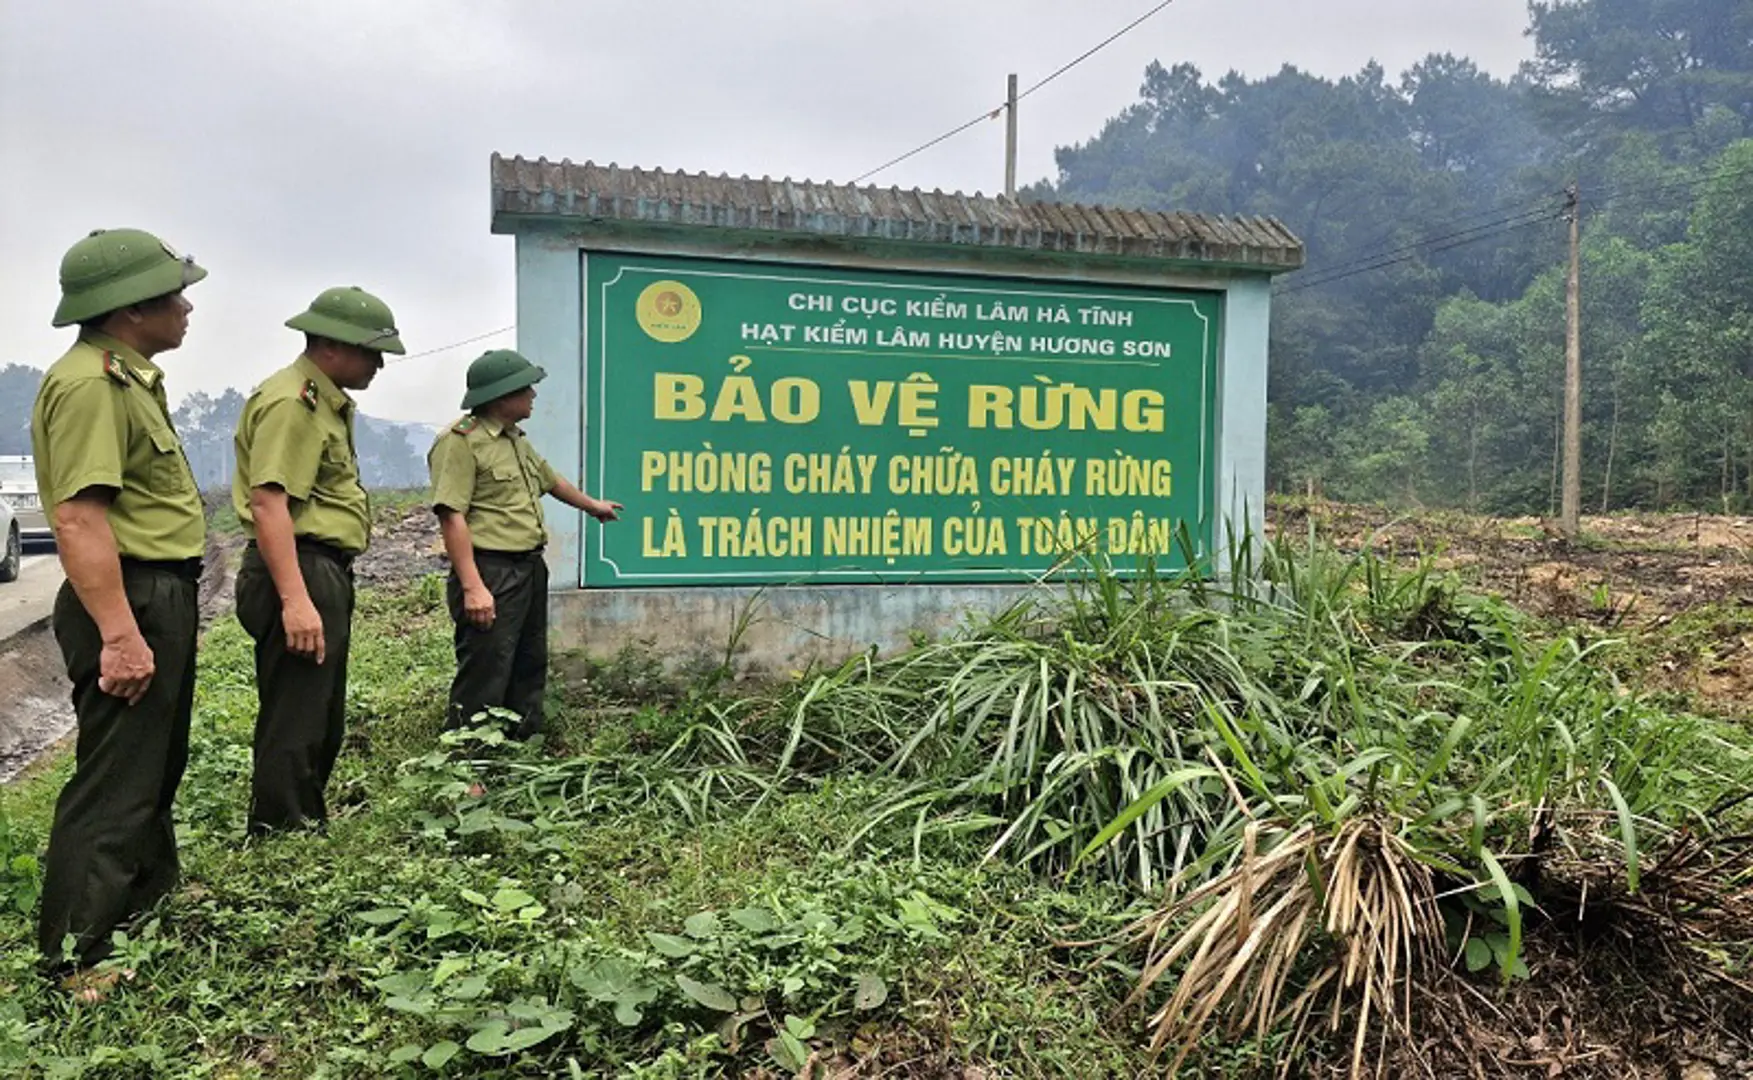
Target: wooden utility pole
1571 504
1010 140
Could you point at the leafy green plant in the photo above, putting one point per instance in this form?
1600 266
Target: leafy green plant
1476 925
1144 727
20 874
884 860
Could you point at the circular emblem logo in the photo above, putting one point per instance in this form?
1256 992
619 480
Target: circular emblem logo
668 311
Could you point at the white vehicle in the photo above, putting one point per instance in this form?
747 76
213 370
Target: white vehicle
18 486
13 553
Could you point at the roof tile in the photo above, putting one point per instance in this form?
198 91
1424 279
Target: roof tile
566 189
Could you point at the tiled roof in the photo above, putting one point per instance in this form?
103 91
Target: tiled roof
524 189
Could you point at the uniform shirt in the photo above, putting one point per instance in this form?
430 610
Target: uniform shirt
490 474
296 432
101 420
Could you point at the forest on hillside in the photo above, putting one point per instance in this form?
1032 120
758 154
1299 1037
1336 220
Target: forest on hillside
1418 358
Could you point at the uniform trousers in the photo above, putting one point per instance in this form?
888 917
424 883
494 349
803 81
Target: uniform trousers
505 665
112 848
302 713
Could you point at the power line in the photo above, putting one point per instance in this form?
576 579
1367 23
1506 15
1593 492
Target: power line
1384 235
1384 264
1614 194
1534 213
1116 36
993 112
455 344
1104 43
921 148
1372 248
1459 240
1427 245
1369 249
1434 244
1510 225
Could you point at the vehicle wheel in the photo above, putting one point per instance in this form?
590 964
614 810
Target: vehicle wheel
14 554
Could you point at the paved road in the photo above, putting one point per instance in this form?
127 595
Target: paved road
29 599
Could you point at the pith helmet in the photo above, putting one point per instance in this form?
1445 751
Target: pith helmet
497 373
351 316
113 268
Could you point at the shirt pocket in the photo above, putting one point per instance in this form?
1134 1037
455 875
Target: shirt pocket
169 472
336 467
499 486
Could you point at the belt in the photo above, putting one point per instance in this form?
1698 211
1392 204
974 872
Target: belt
510 556
322 548
187 569
328 551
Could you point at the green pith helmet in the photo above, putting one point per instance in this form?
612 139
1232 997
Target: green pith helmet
351 316
497 373
113 268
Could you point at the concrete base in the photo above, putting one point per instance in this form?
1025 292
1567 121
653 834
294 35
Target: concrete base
787 627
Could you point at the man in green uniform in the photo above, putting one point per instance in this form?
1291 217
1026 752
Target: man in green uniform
487 488
296 490
129 526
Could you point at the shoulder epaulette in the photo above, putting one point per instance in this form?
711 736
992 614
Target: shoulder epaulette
466 425
309 394
114 368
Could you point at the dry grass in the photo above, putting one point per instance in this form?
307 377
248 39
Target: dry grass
1349 918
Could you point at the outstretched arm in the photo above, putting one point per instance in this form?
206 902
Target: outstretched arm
600 509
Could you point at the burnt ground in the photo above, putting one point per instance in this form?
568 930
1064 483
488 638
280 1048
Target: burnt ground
1678 588
1646 566
404 545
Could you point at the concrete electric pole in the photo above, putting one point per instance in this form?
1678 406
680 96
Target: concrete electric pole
1571 502
1010 140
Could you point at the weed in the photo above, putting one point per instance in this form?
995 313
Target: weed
19 869
1306 782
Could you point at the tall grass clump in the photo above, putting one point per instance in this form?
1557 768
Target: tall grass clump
1328 776
1132 726
1298 760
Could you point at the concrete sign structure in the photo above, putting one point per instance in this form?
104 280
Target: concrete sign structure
877 409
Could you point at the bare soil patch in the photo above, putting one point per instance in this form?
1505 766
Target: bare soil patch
1643 566
1635 575
403 548
35 708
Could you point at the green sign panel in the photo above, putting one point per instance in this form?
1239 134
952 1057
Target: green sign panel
778 424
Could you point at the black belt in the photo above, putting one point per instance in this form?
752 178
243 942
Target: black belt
328 551
318 547
187 569
510 556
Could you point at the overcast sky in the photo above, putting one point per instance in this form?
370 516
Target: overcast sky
294 146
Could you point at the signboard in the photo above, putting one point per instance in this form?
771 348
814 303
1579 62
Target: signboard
781 424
